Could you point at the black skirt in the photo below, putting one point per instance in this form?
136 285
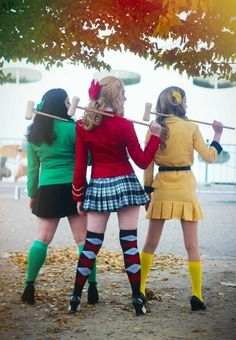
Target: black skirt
54 201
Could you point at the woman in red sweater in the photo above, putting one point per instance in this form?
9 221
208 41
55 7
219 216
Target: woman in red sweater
113 186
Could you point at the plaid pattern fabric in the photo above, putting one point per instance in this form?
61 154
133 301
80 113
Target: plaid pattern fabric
111 194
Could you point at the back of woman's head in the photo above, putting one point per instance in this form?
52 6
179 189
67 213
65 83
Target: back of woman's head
108 96
41 130
111 88
171 101
53 102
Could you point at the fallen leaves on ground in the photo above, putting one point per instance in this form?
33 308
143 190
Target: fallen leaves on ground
107 260
55 284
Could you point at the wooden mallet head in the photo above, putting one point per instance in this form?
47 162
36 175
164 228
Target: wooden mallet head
73 106
147 112
30 110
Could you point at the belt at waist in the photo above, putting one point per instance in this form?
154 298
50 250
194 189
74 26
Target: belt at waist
174 168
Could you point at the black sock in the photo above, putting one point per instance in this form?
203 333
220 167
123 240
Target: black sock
86 260
128 241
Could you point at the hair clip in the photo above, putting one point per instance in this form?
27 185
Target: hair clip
94 90
40 105
177 96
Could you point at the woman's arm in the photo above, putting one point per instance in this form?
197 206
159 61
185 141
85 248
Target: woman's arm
142 158
33 167
80 168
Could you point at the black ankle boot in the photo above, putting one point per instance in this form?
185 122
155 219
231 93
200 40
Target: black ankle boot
197 304
74 304
28 293
93 296
139 304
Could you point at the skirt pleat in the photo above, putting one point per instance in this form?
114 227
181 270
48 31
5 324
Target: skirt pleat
174 210
111 194
54 201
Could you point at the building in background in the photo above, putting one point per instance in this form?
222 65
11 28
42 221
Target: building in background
30 82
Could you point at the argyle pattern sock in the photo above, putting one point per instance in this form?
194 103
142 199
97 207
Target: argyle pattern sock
86 260
93 276
36 259
195 271
146 264
128 241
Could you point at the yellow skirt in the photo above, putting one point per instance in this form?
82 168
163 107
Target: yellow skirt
174 197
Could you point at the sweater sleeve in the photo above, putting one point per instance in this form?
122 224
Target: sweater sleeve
149 171
141 158
80 168
33 169
208 153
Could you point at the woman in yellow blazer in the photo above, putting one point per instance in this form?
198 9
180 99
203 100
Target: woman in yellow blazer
174 186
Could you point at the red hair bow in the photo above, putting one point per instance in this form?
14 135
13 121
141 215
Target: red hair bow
94 90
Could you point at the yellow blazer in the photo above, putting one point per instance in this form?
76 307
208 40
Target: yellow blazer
174 193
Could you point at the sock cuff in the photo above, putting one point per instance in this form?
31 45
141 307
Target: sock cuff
195 263
39 244
80 248
146 255
91 234
125 232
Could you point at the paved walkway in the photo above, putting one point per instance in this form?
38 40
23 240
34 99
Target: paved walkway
217 231
169 316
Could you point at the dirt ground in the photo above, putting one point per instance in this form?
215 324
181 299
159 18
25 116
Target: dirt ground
168 317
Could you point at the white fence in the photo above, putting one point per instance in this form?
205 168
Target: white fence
219 176
210 177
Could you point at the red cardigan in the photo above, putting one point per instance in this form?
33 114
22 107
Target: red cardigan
111 143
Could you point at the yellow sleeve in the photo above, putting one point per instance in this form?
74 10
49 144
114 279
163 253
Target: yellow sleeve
208 153
148 173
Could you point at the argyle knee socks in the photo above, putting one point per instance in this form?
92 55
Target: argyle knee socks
128 241
92 277
86 260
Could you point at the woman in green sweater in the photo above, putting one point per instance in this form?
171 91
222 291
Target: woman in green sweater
51 154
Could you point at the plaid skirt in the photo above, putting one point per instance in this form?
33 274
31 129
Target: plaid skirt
113 193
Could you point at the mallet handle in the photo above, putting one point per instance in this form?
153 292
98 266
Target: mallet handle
96 111
200 122
138 122
48 115
108 114
192 120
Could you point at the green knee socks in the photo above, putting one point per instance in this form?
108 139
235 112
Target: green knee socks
36 258
93 274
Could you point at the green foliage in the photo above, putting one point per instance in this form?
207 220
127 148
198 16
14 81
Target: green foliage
193 36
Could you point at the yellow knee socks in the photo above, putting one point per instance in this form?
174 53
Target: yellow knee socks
195 271
146 263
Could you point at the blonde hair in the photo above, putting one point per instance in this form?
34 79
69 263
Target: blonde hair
170 102
109 97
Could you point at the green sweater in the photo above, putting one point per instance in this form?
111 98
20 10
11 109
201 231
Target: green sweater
52 164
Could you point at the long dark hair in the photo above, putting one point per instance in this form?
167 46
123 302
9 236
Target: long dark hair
41 130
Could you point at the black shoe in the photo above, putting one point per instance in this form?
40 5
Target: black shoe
74 304
93 296
143 297
138 304
197 304
28 293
